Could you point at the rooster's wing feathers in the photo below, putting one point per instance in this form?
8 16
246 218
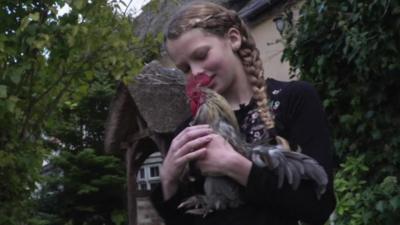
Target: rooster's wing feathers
291 166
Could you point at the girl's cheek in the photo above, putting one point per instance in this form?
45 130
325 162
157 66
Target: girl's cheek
212 64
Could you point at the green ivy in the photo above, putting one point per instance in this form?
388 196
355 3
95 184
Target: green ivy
350 51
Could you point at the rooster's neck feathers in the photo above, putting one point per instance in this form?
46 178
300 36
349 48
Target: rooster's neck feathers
207 106
215 108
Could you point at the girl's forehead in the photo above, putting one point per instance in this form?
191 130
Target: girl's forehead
187 43
193 35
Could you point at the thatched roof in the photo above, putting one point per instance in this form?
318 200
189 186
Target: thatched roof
159 95
120 122
155 100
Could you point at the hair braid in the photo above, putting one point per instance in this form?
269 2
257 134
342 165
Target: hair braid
250 57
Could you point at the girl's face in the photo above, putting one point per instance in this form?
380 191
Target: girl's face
197 52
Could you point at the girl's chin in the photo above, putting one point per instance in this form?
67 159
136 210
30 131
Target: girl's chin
216 88
212 85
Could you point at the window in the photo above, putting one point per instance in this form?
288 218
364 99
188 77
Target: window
141 174
148 176
142 186
154 172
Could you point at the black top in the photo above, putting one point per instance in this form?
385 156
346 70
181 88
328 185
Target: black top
301 120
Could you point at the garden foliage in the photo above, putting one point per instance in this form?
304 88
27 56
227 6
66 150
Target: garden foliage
350 50
50 65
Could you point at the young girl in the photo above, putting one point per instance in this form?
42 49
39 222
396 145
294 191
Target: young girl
207 39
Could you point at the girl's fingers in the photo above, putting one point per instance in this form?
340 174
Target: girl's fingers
193 132
187 145
203 126
191 156
193 145
188 134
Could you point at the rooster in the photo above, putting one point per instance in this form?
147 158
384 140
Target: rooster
221 192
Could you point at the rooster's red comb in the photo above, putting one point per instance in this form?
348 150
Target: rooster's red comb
193 91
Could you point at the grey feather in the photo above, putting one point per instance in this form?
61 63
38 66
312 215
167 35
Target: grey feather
292 167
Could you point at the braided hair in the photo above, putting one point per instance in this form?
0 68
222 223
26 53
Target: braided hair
217 20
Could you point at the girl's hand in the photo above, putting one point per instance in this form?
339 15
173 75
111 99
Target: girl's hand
221 158
188 145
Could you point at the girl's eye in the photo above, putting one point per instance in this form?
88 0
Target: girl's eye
201 53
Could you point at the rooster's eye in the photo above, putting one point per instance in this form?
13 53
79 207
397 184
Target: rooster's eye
184 68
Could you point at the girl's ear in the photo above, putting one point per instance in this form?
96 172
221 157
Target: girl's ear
235 38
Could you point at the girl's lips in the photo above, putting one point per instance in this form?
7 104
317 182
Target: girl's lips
201 80
211 82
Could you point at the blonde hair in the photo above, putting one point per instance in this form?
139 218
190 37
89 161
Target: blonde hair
217 20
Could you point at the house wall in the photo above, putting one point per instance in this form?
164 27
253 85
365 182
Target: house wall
267 38
269 43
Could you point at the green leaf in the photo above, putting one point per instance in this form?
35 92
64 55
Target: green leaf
7 160
89 75
346 118
11 103
376 134
86 189
34 16
79 4
326 103
26 20
395 202
3 91
2 47
16 77
118 217
334 92
380 206
369 114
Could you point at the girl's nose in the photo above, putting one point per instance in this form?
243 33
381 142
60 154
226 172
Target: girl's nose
196 69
